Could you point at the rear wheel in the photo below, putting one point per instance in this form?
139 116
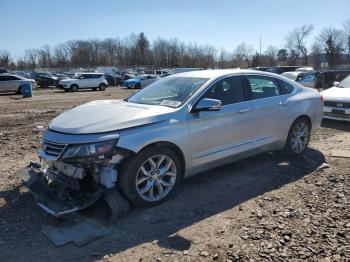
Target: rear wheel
298 137
149 177
74 88
138 86
102 87
20 90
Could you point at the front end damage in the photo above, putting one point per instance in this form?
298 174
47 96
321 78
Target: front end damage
73 177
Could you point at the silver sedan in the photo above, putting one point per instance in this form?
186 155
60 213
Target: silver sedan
14 83
177 127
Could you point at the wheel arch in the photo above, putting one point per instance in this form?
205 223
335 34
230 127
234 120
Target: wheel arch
306 117
174 148
19 89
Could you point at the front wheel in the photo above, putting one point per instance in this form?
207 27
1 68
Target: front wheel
102 87
138 86
298 137
149 177
74 88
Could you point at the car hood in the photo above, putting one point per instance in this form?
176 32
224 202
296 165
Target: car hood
107 115
337 93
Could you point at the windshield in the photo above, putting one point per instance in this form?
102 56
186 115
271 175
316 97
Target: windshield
291 76
345 83
172 92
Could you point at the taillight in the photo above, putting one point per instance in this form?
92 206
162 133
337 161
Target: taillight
321 98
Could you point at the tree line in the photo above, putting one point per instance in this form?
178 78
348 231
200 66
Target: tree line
330 45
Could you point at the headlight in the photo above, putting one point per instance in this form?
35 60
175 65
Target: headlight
90 150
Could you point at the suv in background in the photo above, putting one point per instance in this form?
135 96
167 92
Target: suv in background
95 81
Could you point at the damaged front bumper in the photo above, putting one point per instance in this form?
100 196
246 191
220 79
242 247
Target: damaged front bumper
55 198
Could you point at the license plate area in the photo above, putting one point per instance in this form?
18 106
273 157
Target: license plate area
338 111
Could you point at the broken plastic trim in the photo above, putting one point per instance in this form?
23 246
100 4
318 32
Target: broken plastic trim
48 200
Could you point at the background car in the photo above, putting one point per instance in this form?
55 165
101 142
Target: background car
163 72
95 81
337 101
14 83
303 78
281 69
140 81
114 80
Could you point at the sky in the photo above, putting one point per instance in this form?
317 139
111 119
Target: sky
221 23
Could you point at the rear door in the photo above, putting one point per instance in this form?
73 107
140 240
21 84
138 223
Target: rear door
269 111
216 135
95 80
2 84
84 82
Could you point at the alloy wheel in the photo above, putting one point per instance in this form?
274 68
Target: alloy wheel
300 137
156 178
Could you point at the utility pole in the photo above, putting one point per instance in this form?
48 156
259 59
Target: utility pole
260 45
259 61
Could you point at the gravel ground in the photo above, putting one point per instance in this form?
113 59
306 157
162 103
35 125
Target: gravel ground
265 208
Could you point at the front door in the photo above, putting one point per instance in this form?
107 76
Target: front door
219 134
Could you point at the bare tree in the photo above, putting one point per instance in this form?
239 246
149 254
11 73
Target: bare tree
44 56
282 56
243 52
271 53
346 26
296 42
5 58
30 56
332 41
316 54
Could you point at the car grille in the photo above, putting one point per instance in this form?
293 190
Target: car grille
337 104
337 115
53 149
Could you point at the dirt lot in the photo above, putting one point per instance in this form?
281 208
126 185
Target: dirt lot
263 208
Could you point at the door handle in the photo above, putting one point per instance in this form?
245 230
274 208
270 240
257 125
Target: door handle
243 110
283 103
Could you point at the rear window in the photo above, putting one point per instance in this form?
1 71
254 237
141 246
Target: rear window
285 88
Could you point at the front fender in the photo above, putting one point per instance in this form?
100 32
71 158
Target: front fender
170 130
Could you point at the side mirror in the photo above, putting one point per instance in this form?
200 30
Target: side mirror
336 83
207 104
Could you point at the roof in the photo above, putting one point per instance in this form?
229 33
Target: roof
89 73
8 74
220 72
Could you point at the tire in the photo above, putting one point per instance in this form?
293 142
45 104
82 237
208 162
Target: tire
66 90
151 186
102 87
19 92
74 88
298 137
138 85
